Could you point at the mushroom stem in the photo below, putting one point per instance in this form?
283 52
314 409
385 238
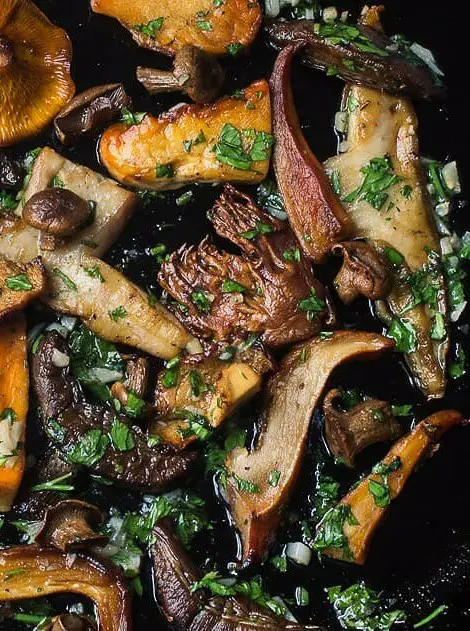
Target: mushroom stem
156 81
6 53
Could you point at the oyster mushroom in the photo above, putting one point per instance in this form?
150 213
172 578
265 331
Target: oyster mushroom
89 111
291 397
195 72
35 80
20 284
35 572
166 27
363 509
350 432
269 290
365 272
93 435
69 526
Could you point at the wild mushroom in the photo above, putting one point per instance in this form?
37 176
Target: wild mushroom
89 111
93 435
383 187
136 381
69 526
35 572
195 72
269 290
360 55
57 211
260 481
315 213
79 282
35 80
365 272
350 432
20 284
11 174
228 140
69 622
347 530
215 28
14 404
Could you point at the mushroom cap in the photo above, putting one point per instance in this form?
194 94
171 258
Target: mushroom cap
57 211
35 81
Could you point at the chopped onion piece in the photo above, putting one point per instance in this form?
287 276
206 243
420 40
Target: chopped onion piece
330 14
442 209
59 359
341 122
68 322
344 16
426 55
288 613
442 228
106 375
62 330
299 553
446 246
451 178
457 312
272 7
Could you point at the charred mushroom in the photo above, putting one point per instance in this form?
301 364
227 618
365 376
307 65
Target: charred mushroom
291 396
194 143
11 174
57 211
315 212
223 28
269 290
69 526
35 572
20 284
195 72
70 622
360 55
365 272
34 69
350 432
363 509
93 435
89 111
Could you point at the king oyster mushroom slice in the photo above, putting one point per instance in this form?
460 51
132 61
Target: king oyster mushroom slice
79 283
382 126
291 397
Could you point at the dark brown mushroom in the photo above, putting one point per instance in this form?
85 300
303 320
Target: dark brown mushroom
350 432
70 622
69 526
195 72
57 211
11 174
365 272
91 110
6 53
137 375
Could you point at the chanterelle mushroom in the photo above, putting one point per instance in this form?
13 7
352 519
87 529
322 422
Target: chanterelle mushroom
69 526
291 397
35 80
349 432
20 284
195 72
268 290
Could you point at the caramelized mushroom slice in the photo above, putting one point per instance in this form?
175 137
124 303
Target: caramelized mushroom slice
269 290
93 435
168 26
35 572
363 509
195 72
35 79
349 433
315 213
228 140
89 111
291 397
365 272
20 284
70 622
69 526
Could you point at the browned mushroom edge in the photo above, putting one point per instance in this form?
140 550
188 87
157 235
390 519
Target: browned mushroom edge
350 432
20 284
70 622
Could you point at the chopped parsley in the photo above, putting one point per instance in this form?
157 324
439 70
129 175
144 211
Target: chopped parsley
9 415
293 254
204 25
201 301
394 257
240 148
94 272
438 329
380 490
231 286
121 436
458 368
330 532
132 118
159 252
312 305
269 198
57 484
150 29
171 374
234 48
404 334
274 476
379 177
339 33
164 170
261 228
20 282
184 199
65 279
118 313
89 449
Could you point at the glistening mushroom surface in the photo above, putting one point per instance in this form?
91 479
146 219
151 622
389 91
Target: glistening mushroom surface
291 396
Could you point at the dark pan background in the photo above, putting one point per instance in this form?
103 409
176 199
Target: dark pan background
421 556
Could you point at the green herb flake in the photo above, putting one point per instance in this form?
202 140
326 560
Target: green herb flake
293 255
201 301
330 532
65 279
230 287
274 476
117 314
234 48
393 256
159 251
171 374
185 198
8 415
302 597
312 305
458 368
438 330
432 616
95 272
89 449
164 170
132 118
150 29
402 410
20 282
379 177
404 334
204 25
121 436
407 191
57 484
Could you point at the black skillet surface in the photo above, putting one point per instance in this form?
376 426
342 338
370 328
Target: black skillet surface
421 556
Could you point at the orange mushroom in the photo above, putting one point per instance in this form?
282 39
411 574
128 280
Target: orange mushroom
35 81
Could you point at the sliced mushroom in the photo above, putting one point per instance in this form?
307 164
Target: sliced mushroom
89 111
35 572
291 397
269 290
20 284
70 622
57 211
365 272
11 174
315 212
34 69
69 526
350 432
194 143
195 72
93 435
363 509
137 375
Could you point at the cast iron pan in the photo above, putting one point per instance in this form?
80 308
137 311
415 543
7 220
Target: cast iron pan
421 556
